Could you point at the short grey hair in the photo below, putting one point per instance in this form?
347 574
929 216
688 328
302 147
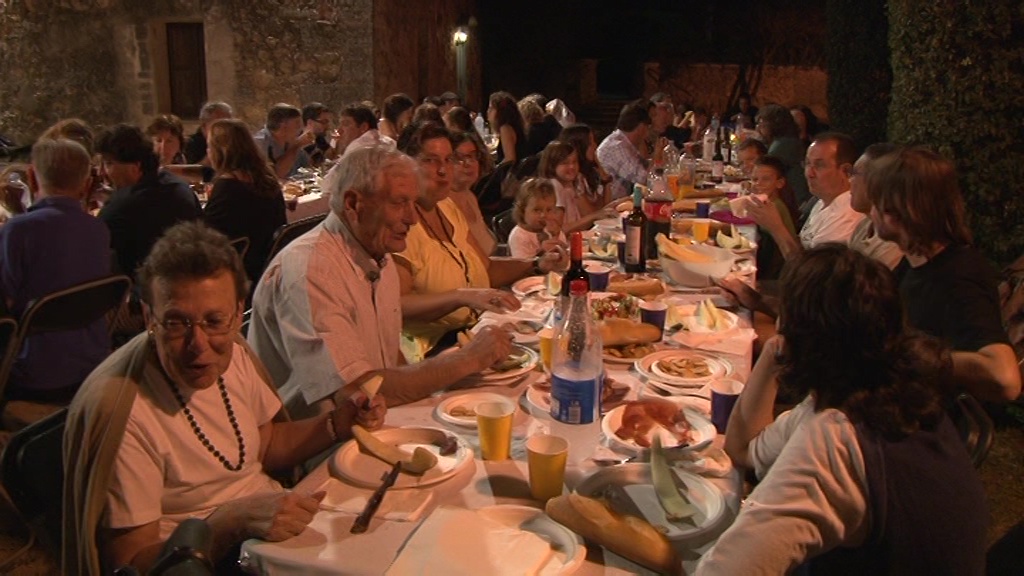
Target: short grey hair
211 108
362 170
60 164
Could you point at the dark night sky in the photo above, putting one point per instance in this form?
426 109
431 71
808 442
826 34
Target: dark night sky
529 45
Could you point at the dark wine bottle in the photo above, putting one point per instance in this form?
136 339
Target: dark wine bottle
576 270
635 258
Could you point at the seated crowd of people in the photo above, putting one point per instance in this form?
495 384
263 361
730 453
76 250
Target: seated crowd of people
885 311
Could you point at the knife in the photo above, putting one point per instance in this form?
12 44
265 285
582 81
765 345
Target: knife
363 520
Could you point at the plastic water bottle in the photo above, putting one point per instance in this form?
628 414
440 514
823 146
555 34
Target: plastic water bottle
577 377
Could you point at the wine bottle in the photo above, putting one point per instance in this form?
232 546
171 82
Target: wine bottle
718 162
635 258
576 271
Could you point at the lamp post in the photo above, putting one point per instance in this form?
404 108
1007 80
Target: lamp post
459 39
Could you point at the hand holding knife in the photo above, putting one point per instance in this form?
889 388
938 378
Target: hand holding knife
363 520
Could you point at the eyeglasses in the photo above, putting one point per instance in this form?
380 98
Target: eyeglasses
437 163
180 327
464 159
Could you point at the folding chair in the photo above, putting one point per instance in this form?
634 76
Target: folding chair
73 308
285 234
32 474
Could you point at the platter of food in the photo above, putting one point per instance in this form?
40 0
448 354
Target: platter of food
613 305
363 460
632 426
460 409
682 368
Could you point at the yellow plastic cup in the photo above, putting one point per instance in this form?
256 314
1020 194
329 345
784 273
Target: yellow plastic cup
494 423
545 336
546 455
701 229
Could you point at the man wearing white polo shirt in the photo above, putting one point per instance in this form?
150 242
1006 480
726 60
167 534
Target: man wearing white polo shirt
827 168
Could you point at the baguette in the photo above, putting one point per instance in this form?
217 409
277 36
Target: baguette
635 286
630 537
622 331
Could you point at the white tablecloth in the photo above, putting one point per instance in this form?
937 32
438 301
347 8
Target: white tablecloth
308 205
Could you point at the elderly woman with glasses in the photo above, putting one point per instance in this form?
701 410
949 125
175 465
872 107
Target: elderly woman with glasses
183 422
446 276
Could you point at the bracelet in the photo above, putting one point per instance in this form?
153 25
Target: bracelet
330 428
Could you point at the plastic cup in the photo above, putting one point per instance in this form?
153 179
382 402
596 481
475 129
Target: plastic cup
673 185
546 456
700 228
545 341
703 208
724 393
494 422
598 274
654 313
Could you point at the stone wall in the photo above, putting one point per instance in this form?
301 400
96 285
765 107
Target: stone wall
105 60
709 85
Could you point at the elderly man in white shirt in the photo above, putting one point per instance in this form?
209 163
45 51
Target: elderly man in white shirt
327 311
832 219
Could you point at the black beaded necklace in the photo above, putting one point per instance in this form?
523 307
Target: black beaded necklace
199 432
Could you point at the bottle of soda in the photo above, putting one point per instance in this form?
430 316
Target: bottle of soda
577 377
658 209
635 258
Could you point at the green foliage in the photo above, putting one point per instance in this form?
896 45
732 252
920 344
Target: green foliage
859 75
958 87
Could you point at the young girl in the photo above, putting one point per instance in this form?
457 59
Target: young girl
537 228
560 162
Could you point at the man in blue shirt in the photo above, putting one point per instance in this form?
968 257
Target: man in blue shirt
54 245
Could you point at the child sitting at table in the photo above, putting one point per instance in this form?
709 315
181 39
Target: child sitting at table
538 227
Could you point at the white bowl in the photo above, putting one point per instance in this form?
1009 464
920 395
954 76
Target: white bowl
699 274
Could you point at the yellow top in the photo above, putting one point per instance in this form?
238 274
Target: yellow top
440 266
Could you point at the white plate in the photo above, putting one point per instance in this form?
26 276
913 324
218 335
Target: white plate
635 479
493 376
350 464
468 402
687 316
532 286
539 399
648 367
701 396
569 551
517 337
701 428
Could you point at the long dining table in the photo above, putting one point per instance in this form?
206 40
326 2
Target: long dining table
327 547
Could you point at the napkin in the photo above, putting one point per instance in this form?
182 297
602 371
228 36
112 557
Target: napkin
456 542
736 341
398 505
711 462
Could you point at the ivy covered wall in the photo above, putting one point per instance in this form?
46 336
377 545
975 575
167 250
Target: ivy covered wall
958 86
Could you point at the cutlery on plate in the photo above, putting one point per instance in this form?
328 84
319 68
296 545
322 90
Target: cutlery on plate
363 520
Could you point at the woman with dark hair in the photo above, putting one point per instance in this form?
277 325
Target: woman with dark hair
168 137
806 122
778 130
471 162
507 122
446 276
458 119
867 475
246 199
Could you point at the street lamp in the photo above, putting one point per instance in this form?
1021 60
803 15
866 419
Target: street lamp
460 36
459 39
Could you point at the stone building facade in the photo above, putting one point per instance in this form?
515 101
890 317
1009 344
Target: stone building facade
110 61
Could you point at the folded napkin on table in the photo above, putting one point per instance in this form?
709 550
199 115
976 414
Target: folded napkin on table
456 541
736 341
398 505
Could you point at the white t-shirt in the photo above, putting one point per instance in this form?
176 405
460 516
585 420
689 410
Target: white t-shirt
833 223
565 198
525 244
163 472
813 498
